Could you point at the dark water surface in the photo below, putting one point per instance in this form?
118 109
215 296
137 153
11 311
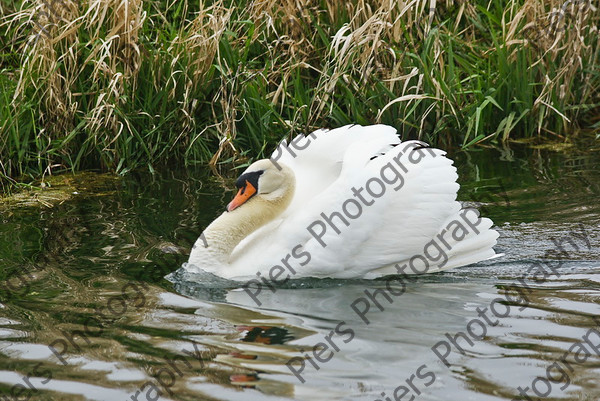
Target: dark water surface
84 271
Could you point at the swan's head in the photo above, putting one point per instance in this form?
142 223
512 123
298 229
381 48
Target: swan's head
262 179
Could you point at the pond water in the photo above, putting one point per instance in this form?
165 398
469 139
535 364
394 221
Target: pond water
84 273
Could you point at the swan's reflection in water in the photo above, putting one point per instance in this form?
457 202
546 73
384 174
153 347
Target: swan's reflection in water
394 349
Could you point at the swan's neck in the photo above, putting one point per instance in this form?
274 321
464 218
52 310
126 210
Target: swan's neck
229 229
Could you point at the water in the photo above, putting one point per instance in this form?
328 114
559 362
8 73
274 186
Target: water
82 270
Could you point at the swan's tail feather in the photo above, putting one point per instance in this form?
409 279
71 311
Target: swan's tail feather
474 248
451 247
462 249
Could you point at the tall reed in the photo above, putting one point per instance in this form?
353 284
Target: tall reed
122 84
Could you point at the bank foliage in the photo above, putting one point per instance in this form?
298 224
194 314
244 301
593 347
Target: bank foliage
123 84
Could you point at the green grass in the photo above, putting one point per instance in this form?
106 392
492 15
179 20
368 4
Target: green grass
186 83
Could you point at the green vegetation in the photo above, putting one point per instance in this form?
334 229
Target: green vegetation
123 84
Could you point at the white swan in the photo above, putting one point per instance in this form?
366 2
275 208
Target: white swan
350 202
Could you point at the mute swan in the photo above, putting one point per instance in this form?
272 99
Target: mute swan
353 202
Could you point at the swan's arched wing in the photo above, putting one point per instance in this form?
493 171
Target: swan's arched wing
316 159
385 204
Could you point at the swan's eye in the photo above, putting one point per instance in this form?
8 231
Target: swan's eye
251 178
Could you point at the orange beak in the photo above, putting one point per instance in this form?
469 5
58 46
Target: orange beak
242 196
